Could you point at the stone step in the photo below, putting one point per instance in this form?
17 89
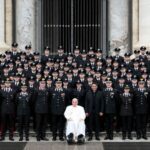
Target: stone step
49 133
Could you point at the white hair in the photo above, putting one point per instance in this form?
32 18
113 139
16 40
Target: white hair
75 99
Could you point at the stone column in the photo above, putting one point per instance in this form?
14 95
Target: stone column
119 24
8 21
144 23
25 23
3 45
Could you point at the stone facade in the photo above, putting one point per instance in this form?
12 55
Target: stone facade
120 14
140 23
3 45
25 23
118 24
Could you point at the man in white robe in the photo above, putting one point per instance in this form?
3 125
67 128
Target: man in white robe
75 127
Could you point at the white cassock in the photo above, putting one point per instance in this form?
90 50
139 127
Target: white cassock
75 120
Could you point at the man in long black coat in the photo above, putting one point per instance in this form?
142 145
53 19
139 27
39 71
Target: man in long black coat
93 110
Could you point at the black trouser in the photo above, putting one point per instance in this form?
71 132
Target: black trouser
7 121
141 122
118 122
41 124
118 119
93 124
33 114
109 124
50 120
34 120
23 125
126 125
57 124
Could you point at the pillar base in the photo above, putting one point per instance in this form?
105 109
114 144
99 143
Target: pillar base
3 47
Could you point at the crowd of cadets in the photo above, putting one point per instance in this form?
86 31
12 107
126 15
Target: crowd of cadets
114 91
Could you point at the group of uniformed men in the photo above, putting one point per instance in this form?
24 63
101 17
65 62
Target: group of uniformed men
114 91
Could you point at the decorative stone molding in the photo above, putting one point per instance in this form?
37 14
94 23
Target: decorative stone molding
118 25
25 23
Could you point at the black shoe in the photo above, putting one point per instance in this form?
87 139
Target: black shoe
80 139
138 137
107 137
61 138
111 137
2 138
21 139
123 138
70 139
44 139
130 137
144 137
27 139
97 138
38 139
54 138
11 139
90 138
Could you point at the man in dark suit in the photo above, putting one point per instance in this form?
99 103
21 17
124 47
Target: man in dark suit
93 110
126 112
117 57
109 96
46 56
23 112
79 93
58 104
41 110
14 53
141 98
7 110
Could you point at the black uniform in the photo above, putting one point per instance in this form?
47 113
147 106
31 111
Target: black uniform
120 89
57 110
80 95
23 113
93 106
110 99
7 111
126 113
41 110
141 97
31 91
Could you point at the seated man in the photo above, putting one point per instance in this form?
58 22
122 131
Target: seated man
75 127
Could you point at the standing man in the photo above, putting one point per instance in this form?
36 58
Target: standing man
109 100
126 112
57 110
23 112
7 110
41 110
93 108
79 93
141 97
